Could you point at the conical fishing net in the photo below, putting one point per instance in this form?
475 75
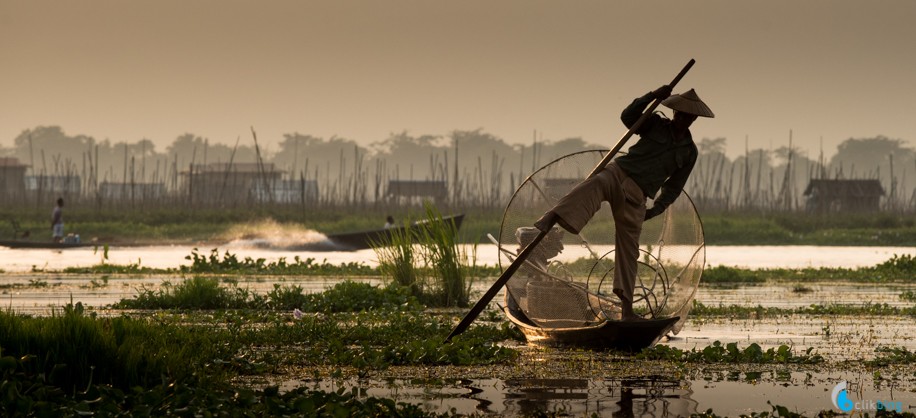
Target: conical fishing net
572 285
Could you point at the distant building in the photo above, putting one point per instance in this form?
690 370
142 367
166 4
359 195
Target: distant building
825 195
416 190
222 183
111 191
69 185
288 191
12 179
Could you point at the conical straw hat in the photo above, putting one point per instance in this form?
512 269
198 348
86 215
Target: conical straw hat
688 102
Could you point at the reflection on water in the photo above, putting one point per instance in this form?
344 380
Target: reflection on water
726 392
637 396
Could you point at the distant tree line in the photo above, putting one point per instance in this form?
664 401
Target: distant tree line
479 168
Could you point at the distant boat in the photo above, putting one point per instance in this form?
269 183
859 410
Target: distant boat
26 244
362 240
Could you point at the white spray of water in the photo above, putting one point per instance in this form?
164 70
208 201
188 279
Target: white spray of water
270 234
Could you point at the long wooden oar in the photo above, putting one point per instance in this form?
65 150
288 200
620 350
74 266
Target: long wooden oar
491 293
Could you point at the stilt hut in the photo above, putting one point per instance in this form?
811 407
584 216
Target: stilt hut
221 183
413 191
825 195
12 179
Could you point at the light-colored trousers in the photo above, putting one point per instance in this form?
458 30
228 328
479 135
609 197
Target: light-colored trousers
628 205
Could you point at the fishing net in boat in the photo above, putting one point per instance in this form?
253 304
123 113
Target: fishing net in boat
567 281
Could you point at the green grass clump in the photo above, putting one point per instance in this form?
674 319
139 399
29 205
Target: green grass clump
207 293
436 269
397 259
447 260
350 296
73 350
194 293
730 353
723 274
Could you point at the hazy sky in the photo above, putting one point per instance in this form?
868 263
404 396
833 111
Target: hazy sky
361 69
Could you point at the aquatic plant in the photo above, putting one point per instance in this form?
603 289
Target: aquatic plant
397 259
350 296
885 356
440 251
724 274
730 353
30 392
73 350
230 264
194 293
207 293
757 312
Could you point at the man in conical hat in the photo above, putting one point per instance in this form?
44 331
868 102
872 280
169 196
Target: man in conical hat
657 166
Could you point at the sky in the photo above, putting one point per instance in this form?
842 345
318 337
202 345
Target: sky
824 70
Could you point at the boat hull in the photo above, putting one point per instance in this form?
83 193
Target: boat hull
363 240
629 336
43 244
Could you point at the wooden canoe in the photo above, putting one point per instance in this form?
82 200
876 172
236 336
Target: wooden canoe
26 244
629 336
362 240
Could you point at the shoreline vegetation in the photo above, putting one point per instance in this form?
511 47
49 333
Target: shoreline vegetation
900 268
214 226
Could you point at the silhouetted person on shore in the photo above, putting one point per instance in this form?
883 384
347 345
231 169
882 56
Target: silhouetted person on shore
57 221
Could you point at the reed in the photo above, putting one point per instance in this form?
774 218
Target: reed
397 259
438 238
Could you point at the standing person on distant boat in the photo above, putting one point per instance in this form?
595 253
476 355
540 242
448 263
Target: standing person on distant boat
662 159
57 221
389 222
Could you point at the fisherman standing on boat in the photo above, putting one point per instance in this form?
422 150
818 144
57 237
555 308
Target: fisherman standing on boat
57 221
662 159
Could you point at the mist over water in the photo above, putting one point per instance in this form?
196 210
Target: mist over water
272 235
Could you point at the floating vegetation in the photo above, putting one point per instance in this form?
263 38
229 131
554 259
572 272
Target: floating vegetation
758 312
909 295
897 269
28 392
176 364
892 355
207 293
231 264
730 353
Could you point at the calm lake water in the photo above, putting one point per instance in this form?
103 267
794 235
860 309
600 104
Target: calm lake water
19 260
728 392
